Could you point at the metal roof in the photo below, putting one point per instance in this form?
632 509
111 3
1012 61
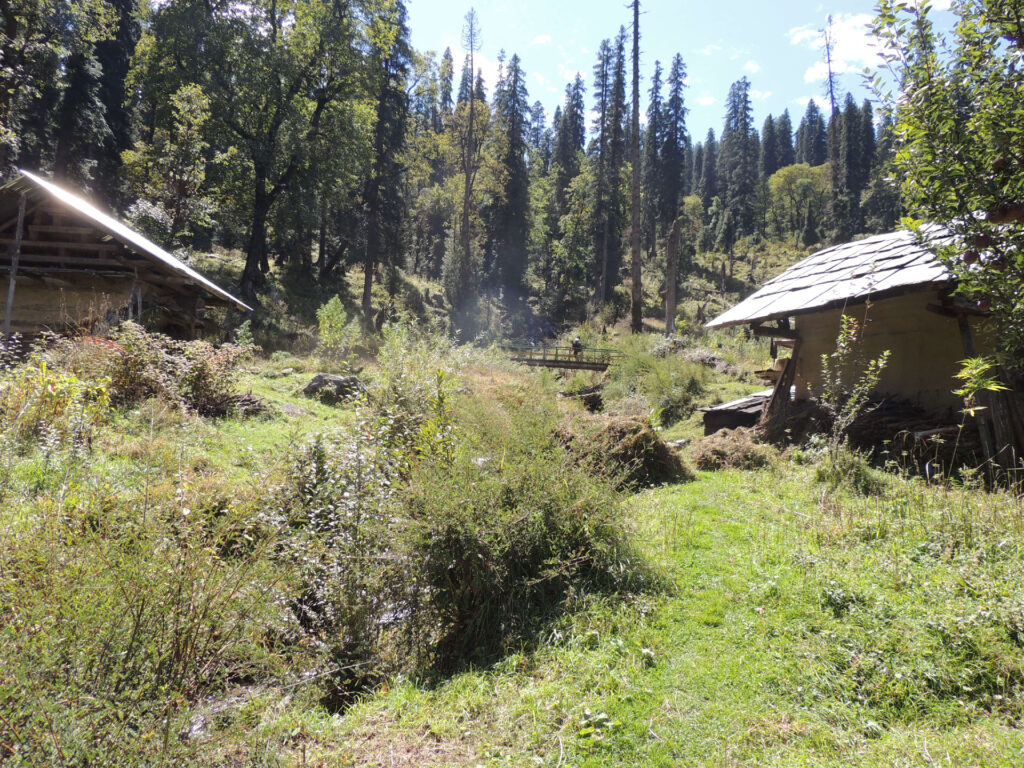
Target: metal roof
844 273
127 237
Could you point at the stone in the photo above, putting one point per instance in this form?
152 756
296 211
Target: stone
331 389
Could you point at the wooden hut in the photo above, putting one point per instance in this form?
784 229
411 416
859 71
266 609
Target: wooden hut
903 296
70 266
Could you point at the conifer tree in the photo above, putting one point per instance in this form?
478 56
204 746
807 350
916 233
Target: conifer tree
511 217
811 143
737 161
784 140
446 75
570 134
465 81
769 161
651 164
383 193
707 185
675 146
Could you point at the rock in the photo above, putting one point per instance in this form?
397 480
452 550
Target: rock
331 389
590 397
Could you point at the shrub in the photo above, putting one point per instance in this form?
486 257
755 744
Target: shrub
668 383
337 334
112 629
38 401
495 551
731 449
193 374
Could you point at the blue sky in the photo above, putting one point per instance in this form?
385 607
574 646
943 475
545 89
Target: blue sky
775 44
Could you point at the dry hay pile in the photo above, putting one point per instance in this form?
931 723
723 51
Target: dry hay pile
732 449
626 449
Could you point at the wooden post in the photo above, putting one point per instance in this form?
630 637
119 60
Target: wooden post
983 416
780 398
15 256
671 278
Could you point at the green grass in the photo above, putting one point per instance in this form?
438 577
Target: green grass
795 624
856 631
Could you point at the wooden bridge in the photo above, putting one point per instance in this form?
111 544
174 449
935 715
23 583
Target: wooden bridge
587 359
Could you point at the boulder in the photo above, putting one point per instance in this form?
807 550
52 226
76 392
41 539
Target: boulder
331 389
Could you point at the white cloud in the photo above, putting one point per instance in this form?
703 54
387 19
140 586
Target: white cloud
752 66
757 95
706 101
567 72
854 47
541 40
709 49
541 80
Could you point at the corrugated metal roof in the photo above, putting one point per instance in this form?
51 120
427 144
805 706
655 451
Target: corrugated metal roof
847 272
128 237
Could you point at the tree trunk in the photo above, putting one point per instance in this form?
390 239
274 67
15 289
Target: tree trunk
671 278
369 266
254 274
636 321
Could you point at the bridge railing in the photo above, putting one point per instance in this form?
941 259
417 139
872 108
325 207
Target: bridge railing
556 354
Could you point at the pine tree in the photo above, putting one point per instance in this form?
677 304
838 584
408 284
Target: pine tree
512 109
811 143
465 81
675 146
635 272
737 162
446 75
707 186
651 164
383 190
769 161
867 143
570 135
784 140
114 57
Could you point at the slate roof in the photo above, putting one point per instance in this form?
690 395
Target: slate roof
844 273
33 185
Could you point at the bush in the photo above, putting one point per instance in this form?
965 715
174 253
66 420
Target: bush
193 374
114 624
668 383
337 334
497 551
731 449
37 401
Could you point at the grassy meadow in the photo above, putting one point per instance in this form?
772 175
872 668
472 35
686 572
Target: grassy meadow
434 574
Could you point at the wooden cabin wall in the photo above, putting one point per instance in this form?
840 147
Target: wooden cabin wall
77 302
926 348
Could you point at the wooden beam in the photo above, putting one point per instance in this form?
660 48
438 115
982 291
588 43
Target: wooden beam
73 246
775 333
956 311
15 253
71 261
64 229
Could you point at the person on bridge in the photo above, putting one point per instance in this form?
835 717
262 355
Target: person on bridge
577 348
